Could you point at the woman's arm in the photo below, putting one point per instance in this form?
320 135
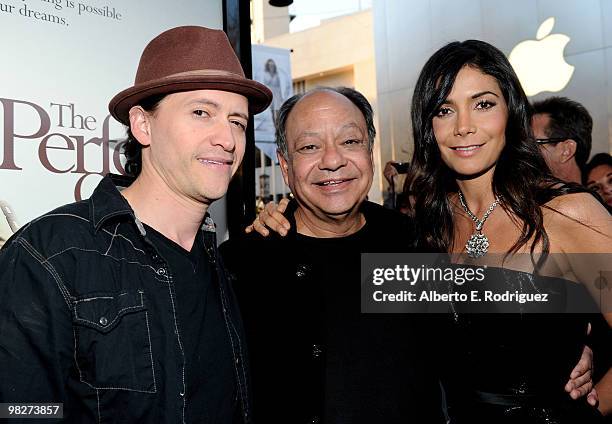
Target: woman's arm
580 228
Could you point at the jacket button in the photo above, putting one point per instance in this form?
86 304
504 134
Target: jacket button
103 321
317 350
301 271
161 271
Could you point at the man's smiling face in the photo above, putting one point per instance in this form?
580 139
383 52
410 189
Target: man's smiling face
329 165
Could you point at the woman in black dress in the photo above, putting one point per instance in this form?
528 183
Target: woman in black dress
480 189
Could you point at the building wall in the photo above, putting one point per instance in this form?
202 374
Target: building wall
407 32
332 78
340 51
267 21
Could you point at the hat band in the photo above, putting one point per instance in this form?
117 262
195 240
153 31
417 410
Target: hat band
199 72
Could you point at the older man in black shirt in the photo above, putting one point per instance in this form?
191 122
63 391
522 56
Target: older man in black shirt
314 356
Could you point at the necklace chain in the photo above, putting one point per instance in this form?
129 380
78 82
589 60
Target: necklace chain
479 222
478 244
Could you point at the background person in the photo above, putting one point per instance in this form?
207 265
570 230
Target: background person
395 173
562 128
598 176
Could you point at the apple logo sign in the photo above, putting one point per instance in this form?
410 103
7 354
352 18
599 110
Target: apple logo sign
539 64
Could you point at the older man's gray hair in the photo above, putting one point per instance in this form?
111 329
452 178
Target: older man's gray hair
353 95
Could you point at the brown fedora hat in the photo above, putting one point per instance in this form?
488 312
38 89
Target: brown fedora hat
184 59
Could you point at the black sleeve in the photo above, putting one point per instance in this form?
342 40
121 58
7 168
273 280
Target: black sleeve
36 338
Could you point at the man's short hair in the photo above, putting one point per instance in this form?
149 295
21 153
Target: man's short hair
568 119
353 95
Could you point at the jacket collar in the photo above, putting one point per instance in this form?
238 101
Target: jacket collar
106 202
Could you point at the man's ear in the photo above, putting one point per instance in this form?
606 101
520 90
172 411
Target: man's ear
140 125
568 150
284 166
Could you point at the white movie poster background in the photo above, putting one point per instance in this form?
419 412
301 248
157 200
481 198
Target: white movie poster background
63 61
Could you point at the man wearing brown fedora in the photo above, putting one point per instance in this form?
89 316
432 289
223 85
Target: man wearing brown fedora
118 307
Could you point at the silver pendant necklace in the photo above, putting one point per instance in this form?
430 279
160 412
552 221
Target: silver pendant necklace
478 244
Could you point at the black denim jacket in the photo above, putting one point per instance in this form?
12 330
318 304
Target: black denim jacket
82 320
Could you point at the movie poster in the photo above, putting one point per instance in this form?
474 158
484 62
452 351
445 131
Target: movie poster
62 61
272 67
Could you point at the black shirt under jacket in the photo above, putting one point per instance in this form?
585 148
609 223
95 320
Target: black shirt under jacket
209 369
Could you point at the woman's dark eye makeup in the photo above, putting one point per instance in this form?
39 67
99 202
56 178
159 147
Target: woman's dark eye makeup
485 104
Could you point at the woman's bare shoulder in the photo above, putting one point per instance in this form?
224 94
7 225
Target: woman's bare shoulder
579 206
578 222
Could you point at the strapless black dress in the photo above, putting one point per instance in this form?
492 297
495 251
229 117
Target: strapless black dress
512 367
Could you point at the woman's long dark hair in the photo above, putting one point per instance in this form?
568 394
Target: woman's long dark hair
521 176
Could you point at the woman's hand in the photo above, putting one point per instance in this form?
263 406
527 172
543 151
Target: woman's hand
581 378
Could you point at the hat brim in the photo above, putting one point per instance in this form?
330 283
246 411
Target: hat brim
258 95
